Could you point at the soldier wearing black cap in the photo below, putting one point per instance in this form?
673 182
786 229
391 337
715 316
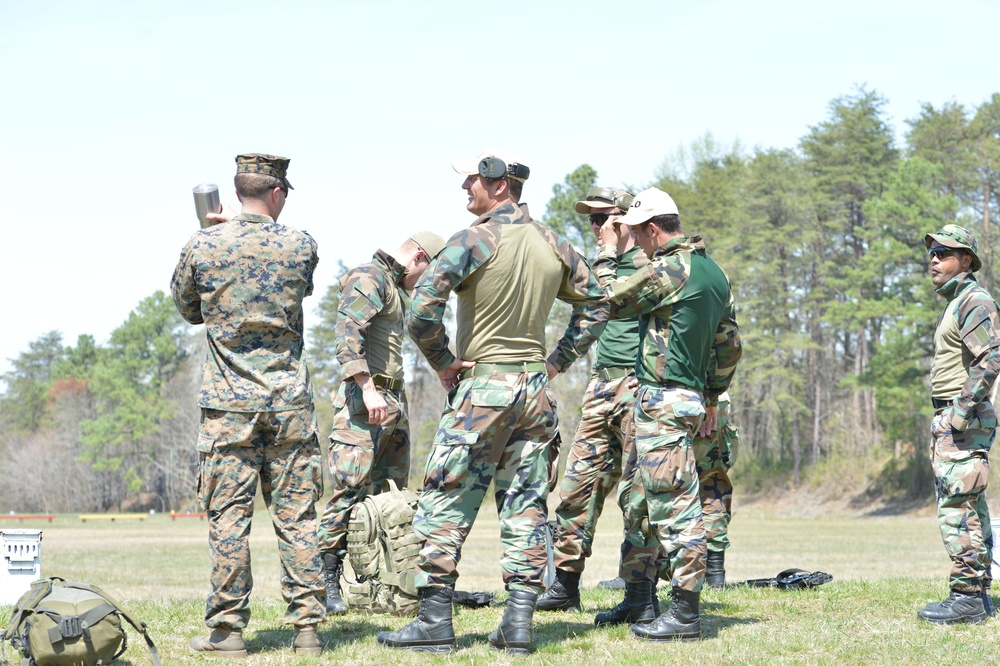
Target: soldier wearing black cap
246 280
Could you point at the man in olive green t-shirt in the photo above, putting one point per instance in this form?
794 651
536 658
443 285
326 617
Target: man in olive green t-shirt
500 424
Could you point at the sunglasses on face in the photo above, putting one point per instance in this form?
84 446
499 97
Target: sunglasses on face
601 218
941 254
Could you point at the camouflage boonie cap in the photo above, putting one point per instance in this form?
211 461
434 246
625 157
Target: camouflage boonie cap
269 165
604 198
960 238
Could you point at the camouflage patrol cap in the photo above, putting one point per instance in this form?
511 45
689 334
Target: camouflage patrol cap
268 165
604 198
960 238
429 242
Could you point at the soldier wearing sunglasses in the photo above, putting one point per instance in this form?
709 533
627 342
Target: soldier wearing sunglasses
603 439
963 370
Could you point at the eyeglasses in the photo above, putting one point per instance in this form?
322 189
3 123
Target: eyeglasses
941 254
600 218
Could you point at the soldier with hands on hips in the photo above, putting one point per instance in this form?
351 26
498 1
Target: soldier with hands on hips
500 424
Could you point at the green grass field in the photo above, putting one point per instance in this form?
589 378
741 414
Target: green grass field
885 569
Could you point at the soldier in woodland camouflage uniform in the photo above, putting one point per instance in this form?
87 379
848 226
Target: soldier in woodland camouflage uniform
686 314
603 442
964 368
715 454
370 442
500 423
245 279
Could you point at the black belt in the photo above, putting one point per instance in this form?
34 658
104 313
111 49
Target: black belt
608 374
387 382
486 369
940 404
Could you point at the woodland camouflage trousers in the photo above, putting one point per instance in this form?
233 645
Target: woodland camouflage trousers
362 457
961 465
501 428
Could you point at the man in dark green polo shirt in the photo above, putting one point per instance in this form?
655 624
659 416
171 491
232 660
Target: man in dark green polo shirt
686 315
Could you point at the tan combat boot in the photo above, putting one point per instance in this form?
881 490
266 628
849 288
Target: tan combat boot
223 642
306 640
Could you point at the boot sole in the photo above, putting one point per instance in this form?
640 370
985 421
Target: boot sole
669 639
975 619
224 654
511 650
436 649
574 607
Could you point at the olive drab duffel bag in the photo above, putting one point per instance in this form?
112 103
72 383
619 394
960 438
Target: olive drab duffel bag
58 623
383 551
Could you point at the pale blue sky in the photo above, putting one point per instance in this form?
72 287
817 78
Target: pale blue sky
113 111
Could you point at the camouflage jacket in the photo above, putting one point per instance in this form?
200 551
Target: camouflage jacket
966 348
686 314
245 280
507 270
370 318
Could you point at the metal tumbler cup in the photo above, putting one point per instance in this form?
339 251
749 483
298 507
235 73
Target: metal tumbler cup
206 200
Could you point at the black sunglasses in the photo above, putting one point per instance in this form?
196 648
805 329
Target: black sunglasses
940 253
601 218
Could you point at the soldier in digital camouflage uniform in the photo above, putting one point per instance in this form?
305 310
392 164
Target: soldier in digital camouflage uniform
245 279
370 442
686 315
500 423
963 370
603 441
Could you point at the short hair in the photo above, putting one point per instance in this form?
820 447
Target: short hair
516 187
669 223
255 185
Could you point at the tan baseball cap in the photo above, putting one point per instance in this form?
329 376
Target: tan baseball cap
471 167
429 242
604 198
649 203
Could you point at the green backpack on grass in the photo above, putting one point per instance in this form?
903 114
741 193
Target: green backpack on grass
57 623
383 551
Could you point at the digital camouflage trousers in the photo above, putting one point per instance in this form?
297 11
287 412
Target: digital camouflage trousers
281 451
961 465
500 428
362 457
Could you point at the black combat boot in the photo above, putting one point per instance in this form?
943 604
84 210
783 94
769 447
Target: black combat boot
988 603
333 569
637 606
432 630
958 607
563 594
514 633
680 622
715 569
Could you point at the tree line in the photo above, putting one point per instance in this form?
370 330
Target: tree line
823 243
